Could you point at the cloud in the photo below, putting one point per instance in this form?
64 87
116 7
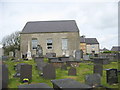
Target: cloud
93 19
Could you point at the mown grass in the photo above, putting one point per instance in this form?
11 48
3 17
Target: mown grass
82 70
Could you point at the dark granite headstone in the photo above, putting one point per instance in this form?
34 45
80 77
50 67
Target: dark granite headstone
5 77
93 80
98 68
72 71
26 72
63 84
49 72
112 76
37 86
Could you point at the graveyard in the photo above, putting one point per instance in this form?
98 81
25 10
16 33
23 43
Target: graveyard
84 68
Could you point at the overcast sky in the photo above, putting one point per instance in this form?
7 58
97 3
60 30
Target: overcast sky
95 19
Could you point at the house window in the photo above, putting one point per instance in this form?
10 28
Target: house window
64 44
49 43
34 43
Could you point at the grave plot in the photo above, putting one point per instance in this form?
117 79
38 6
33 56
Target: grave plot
64 67
61 84
37 86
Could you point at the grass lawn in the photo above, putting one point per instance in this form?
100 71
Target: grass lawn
82 70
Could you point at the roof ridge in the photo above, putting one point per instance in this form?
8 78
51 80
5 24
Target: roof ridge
50 21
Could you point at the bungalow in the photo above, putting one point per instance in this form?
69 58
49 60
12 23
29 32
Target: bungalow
60 37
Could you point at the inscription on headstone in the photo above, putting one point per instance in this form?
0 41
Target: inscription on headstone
72 71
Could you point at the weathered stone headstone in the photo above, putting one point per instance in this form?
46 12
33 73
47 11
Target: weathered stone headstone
72 71
86 57
112 76
26 72
11 54
98 68
39 51
5 77
71 58
93 80
49 71
50 55
77 55
63 84
64 67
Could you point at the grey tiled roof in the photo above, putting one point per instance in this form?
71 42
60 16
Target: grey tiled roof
50 26
82 39
115 48
91 41
88 40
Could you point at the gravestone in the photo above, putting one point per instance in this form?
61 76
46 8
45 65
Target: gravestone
93 80
26 72
63 84
112 76
11 54
29 52
50 55
72 71
5 77
98 68
64 67
77 55
71 58
86 57
49 72
39 51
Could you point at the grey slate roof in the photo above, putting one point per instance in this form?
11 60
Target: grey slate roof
50 26
88 40
115 48
82 39
91 41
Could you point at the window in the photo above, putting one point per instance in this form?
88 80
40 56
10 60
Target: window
64 44
34 43
49 44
